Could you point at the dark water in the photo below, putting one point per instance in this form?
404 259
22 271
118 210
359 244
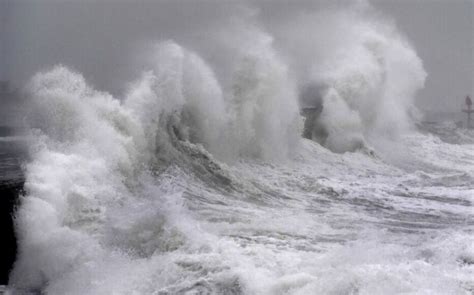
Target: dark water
12 154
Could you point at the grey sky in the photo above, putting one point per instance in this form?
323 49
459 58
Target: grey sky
443 35
101 39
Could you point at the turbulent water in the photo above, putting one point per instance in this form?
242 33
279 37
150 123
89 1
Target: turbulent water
195 184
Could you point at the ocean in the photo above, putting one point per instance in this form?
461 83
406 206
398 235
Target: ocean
321 223
197 179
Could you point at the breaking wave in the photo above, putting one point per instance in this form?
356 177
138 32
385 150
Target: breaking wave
362 71
189 185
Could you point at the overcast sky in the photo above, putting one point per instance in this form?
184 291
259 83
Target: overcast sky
100 39
443 34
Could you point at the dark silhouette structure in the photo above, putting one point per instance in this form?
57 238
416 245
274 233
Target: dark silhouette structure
468 110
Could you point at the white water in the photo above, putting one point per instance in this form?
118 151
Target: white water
188 185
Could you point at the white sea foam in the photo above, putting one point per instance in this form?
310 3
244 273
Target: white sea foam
194 185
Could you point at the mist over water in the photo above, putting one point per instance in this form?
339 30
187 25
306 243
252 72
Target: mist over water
196 179
367 73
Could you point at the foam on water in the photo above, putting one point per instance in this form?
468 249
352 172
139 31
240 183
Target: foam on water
188 185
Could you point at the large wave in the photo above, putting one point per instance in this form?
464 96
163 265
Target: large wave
92 151
171 187
364 73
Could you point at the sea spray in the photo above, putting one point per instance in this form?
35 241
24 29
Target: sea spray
93 153
363 60
180 87
131 195
83 157
255 115
262 94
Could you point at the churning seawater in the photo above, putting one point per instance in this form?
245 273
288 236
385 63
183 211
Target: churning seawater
192 183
